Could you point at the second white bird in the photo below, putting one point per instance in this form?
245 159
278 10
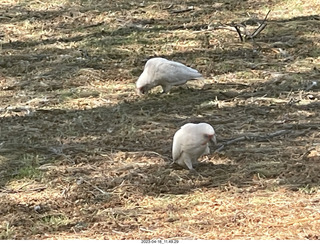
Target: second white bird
190 142
164 73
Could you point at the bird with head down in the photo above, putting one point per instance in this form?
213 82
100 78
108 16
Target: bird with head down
164 73
190 142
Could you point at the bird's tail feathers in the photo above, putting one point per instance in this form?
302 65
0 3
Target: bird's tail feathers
200 78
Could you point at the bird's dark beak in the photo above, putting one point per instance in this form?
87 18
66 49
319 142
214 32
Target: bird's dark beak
139 92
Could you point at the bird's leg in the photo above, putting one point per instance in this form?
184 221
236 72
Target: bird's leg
166 88
195 163
188 162
171 163
194 172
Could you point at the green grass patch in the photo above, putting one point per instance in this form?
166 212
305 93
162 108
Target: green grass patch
6 231
30 172
30 168
55 220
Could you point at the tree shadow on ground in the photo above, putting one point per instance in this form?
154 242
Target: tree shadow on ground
148 124
89 38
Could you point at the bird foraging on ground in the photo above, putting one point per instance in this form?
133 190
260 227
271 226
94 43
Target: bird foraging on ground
164 73
190 142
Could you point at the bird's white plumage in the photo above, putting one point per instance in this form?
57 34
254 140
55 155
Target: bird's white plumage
165 73
190 142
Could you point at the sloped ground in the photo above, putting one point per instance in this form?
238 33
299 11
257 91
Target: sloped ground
83 157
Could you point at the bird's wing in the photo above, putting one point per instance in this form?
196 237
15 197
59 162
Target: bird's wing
184 141
174 72
176 146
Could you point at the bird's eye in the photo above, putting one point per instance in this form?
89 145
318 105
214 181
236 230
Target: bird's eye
208 136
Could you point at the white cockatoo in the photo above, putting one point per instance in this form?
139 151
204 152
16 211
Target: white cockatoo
190 142
164 73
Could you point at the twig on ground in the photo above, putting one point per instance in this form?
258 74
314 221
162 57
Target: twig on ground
261 138
41 188
155 153
238 31
169 7
183 10
247 36
252 138
26 109
144 229
297 221
260 28
95 187
302 126
132 151
119 232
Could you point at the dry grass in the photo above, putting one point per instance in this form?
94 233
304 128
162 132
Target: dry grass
81 156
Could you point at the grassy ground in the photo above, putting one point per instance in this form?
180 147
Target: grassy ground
82 156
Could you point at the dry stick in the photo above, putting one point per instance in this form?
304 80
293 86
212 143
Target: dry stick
251 138
97 188
260 28
302 126
183 10
41 188
239 32
296 221
265 18
169 7
143 229
133 151
256 32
